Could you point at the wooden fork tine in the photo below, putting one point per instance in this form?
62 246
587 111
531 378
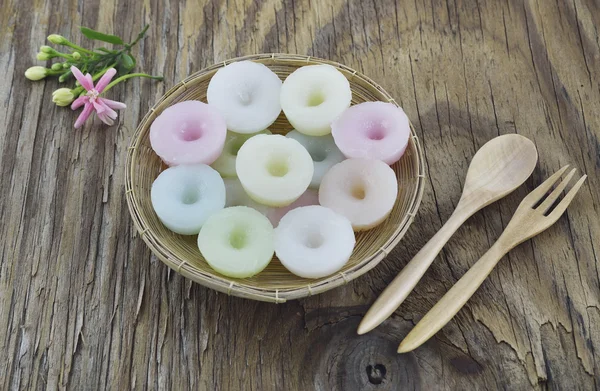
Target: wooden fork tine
564 203
556 192
542 189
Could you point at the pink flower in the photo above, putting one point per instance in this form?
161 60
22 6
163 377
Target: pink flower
105 108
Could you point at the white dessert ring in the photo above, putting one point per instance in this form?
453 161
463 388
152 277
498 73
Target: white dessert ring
247 94
314 241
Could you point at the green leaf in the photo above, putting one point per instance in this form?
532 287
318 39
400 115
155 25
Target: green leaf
98 36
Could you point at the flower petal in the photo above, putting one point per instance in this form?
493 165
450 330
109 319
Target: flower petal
89 80
106 119
110 112
113 104
77 103
81 79
85 114
98 106
105 79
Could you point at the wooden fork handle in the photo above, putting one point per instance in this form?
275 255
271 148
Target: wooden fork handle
397 291
454 299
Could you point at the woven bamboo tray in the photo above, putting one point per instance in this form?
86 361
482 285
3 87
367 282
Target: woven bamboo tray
275 283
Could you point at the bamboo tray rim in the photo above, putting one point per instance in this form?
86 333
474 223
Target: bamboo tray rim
238 288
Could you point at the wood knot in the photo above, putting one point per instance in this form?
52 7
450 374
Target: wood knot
376 373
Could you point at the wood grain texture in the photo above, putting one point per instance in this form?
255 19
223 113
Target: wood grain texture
84 305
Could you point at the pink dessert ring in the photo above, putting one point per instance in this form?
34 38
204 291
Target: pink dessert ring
189 132
372 130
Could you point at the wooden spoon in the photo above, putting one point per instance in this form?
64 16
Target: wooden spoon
499 167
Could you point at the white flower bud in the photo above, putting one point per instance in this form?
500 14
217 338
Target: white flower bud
43 56
63 96
76 55
56 39
36 73
46 49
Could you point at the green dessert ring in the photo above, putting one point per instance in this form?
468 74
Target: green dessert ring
225 163
237 242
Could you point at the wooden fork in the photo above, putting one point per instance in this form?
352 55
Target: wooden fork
531 217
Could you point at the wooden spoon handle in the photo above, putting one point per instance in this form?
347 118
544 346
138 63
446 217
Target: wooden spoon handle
395 293
454 299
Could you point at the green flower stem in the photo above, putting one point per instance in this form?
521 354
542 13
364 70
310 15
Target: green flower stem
77 91
140 36
63 55
120 79
78 48
52 72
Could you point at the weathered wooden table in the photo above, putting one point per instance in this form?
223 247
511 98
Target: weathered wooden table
84 305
